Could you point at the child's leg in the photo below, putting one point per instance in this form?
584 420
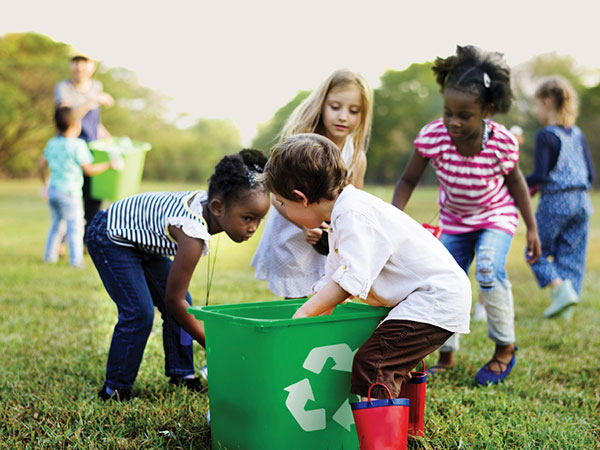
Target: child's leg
462 248
495 290
395 348
74 218
120 269
550 225
571 248
54 233
179 359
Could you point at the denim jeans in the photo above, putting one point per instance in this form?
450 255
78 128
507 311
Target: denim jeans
67 208
490 247
136 282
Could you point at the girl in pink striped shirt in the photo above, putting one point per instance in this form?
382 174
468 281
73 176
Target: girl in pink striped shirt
481 190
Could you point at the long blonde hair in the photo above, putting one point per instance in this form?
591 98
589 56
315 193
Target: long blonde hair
563 97
306 118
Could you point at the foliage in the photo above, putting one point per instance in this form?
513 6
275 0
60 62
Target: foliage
404 103
268 133
30 67
408 99
32 64
57 322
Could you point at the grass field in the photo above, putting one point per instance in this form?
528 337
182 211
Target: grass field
56 323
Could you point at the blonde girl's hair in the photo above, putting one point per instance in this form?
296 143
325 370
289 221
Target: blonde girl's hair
306 118
563 98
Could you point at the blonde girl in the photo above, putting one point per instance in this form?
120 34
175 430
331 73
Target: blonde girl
341 110
563 172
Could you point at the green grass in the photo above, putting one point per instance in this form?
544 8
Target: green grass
56 323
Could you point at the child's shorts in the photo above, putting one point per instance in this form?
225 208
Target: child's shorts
389 355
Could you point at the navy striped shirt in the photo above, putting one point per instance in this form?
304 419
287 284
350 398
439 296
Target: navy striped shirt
142 221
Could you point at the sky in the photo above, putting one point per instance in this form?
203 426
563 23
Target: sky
244 59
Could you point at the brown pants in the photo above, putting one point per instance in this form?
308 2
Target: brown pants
389 355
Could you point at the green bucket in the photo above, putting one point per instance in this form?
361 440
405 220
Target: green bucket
114 185
282 383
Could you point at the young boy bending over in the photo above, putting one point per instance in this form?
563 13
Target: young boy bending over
376 253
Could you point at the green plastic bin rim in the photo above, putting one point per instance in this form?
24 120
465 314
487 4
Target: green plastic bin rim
122 144
352 311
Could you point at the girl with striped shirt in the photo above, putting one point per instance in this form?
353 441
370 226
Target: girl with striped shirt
481 190
131 245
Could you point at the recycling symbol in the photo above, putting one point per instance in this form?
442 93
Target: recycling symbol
301 392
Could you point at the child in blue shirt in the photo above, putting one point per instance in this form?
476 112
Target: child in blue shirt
68 158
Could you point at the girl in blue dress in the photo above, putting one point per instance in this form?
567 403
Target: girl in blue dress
563 173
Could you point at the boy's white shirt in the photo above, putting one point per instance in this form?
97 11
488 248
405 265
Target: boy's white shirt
380 254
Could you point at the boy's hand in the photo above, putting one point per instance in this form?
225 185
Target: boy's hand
117 163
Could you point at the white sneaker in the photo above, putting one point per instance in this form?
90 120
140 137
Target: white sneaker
479 314
204 373
563 296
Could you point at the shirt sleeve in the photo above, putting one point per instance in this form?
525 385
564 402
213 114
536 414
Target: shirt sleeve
506 148
59 93
363 248
547 149
82 153
429 140
192 228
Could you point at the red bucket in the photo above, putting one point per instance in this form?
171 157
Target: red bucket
436 231
381 424
415 390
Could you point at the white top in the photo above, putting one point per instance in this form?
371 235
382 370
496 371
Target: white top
284 259
381 255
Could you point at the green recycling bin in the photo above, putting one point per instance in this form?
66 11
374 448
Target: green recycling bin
114 185
281 383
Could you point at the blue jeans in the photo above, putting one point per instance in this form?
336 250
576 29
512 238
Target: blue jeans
136 282
67 208
490 247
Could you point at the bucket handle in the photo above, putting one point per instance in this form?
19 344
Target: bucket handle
424 368
380 384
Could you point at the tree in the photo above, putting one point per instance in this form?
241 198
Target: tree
405 102
30 65
268 133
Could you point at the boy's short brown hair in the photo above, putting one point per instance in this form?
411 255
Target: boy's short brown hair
309 163
64 117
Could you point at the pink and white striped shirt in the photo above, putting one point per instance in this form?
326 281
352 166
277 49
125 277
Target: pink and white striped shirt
473 193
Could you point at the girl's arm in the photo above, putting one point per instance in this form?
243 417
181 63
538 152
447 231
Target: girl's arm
188 254
323 301
518 189
358 175
409 180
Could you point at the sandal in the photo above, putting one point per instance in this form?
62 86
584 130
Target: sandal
437 369
486 376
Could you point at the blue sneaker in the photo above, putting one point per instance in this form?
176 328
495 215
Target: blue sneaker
486 376
208 417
